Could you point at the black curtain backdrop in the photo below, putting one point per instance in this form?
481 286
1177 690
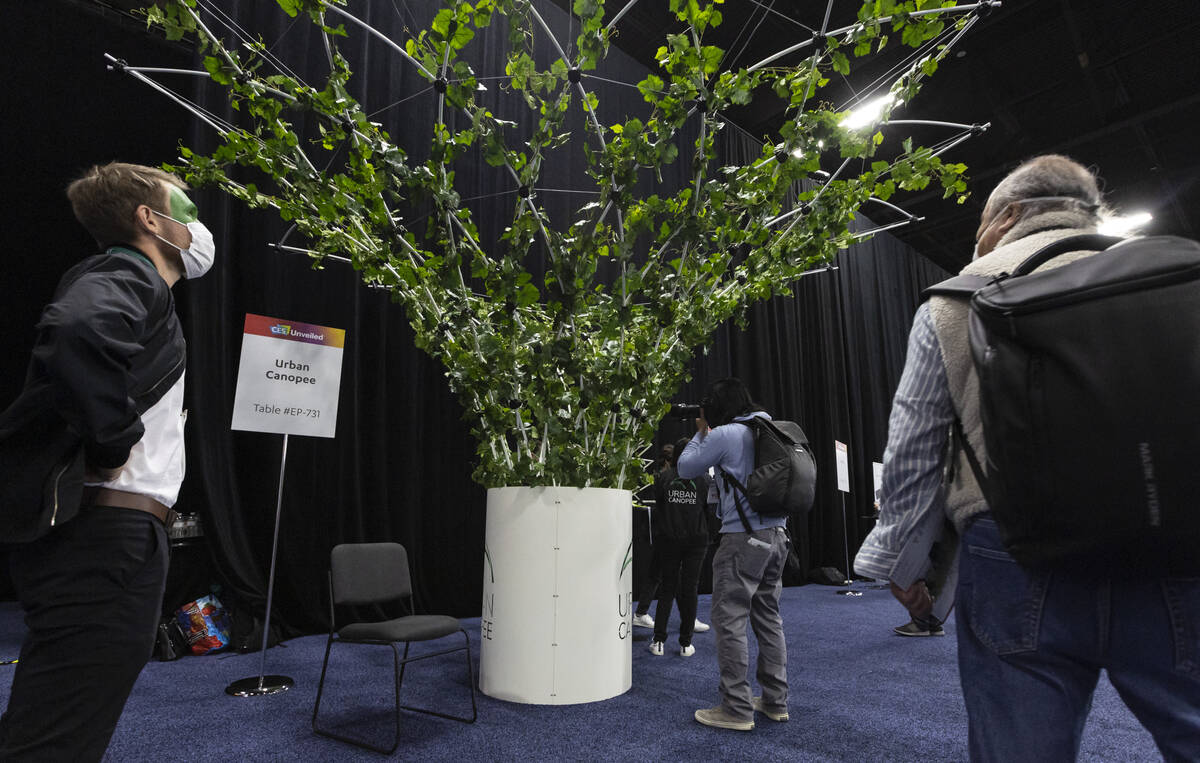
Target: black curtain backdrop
828 356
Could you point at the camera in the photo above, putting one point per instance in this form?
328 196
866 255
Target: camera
684 411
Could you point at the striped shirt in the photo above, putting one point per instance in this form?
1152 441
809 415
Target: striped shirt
911 512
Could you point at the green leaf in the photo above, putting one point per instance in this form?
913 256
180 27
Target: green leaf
216 70
290 7
841 64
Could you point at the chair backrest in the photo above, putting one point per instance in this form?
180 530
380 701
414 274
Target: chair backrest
369 573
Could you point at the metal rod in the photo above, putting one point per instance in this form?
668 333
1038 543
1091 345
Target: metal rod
262 668
851 27
298 250
889 226
930 12
825 23
386 40
620 14
114 63
846 540
546 28
953 143
160 70
930 122
890 205
785 17
781 54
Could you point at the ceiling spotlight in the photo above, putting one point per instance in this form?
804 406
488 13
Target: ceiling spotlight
797 153
868 113
1121 225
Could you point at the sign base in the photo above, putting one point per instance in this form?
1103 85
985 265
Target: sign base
256 686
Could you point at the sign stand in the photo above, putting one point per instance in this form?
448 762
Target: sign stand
264 684
288 381
849 591
842 458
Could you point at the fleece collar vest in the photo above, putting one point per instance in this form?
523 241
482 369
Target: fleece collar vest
964 499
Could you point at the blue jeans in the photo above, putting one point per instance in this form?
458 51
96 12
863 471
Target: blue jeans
1031 645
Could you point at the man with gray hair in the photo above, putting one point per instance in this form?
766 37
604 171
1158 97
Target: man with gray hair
1031 643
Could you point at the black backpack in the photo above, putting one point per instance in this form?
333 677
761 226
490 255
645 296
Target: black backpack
1089 384
681 512
784 479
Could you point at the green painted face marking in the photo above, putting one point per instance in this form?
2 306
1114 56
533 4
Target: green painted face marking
182 208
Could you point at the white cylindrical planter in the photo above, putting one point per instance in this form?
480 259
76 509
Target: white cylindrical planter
557 595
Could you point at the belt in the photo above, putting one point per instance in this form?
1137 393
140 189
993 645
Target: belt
121 499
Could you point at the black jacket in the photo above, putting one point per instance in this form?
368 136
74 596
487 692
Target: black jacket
108 347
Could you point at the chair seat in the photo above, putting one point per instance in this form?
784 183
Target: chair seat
410 628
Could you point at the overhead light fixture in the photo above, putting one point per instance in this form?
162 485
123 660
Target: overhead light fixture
868 113
1121 225
797 153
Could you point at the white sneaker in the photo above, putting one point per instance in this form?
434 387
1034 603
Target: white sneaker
656 648
687 651
700 627
646 621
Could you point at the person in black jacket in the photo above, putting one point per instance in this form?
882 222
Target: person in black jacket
681 534
91 461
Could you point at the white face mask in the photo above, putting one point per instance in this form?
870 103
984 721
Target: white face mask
199 255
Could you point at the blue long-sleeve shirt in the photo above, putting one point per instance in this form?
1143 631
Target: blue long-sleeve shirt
729 447
911 511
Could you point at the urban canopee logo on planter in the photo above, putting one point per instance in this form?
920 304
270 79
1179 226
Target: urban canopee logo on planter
487 620
625 598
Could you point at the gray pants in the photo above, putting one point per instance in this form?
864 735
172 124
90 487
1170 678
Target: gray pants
747 572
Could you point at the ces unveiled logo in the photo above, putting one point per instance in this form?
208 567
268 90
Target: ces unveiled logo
283 329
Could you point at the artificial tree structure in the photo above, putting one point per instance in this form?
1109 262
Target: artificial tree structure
565 371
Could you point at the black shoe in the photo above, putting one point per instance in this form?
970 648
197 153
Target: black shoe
920 628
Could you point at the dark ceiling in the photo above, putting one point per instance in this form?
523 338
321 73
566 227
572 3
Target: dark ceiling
1114 84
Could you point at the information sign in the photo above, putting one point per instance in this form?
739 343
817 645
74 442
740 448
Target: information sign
288 377
843 466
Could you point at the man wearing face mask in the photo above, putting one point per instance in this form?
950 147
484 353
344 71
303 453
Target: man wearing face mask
91 461
1031 642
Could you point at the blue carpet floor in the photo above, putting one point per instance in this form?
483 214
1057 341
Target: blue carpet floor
858 693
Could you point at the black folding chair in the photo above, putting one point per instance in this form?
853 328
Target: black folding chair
375 573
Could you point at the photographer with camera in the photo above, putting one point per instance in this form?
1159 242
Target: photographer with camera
748 565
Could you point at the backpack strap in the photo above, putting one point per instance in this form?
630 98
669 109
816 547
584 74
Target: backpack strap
738 486
959 286
963 286
1087 242
972 459
737 502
